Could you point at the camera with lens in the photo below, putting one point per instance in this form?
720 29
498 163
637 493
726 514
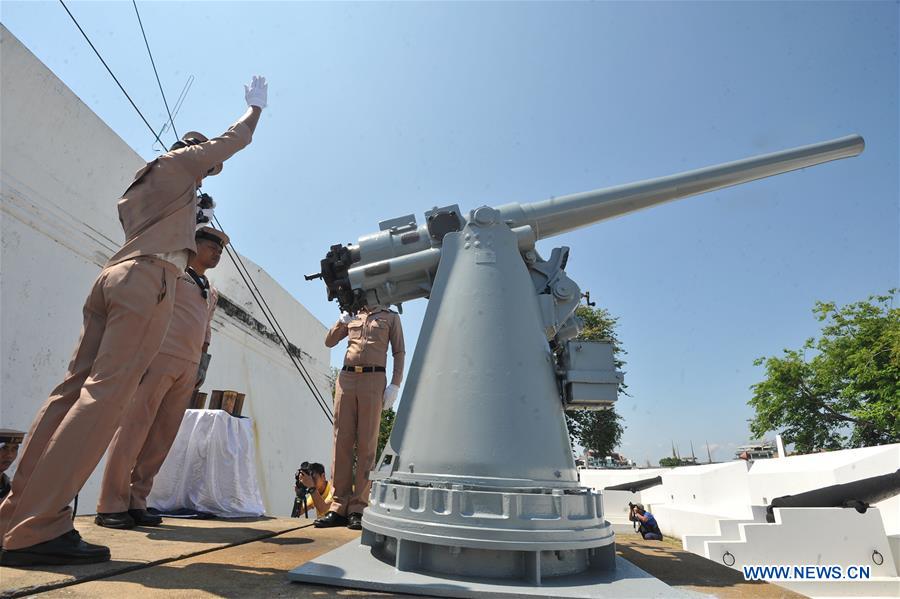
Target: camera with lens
631 509
304 469
301 491
205 208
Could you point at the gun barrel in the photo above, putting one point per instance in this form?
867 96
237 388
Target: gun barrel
858 494
558 215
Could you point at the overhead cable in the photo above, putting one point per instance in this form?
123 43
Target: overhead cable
153 63
276 327
111 74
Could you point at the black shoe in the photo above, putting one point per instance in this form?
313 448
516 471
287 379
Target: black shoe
142 517
330 520
63 550
117 520
354 521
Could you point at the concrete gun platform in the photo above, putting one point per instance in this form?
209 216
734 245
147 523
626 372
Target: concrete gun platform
251 558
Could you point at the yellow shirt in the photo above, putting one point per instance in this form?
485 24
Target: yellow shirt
327 496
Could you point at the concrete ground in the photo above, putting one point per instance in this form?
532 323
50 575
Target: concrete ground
679 568
250 558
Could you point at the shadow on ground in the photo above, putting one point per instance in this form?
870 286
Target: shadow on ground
233 580
287 541
169 532
676 567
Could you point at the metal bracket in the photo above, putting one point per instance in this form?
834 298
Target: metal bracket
401 224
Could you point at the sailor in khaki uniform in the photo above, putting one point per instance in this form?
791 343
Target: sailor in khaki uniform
125 319
150 424
361 393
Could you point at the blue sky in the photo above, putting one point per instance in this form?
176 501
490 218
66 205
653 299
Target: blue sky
382 109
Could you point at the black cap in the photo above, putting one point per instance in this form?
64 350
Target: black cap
212 235
8 435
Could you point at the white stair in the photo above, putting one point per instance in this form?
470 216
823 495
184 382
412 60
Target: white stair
811 536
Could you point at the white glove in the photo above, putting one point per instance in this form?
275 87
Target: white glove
258 92
390 396
345 318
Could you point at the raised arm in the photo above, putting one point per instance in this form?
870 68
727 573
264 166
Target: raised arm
202 159
338 331
256 94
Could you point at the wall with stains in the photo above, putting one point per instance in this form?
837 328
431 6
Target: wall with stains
59 225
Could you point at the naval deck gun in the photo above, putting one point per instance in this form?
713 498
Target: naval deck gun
478 478
399 263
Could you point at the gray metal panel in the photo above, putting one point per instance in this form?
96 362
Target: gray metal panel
353 566
591 378
407 222
480 405
506 521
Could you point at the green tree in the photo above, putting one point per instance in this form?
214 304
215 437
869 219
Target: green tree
669 462
598 430
840 390
335 372
384 432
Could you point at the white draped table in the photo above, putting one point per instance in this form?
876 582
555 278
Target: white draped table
210 468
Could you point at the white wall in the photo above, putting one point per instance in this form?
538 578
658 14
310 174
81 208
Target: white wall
774 478
801 536
714 488
796 474
615 503
693 499
61 171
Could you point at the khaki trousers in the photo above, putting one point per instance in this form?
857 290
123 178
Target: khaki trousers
146 433
125 319
357 415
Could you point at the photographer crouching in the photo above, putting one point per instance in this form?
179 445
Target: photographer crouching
646 523
312 489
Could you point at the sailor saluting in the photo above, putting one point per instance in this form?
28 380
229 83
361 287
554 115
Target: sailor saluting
126 316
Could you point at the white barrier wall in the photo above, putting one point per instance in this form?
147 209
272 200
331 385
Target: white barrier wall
693 500
615 503
815 536
713 488
773 478
61 171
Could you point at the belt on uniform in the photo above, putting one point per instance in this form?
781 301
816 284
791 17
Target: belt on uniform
363 368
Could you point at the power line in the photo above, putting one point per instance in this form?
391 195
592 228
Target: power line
279 330
111 74
276 327
307 378
176 109
153 63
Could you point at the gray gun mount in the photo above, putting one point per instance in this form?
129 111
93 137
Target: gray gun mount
478 478
400 262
